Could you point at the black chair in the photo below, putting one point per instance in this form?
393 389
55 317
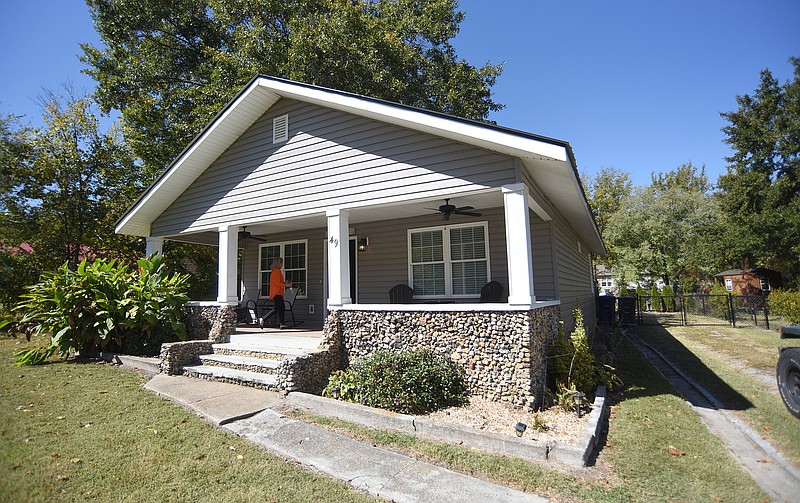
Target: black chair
401 294
492 292
271 317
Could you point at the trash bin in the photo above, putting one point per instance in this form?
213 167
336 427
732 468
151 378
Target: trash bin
627 310
607 309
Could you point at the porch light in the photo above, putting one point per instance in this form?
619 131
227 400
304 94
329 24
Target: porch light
362 244
520 428
578 397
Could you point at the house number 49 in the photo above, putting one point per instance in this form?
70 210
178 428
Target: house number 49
334 242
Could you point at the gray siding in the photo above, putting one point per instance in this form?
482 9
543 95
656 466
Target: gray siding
574 280
544 278
331 159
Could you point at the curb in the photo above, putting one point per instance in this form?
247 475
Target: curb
470 437
149 365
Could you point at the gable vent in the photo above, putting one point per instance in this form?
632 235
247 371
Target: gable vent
280 129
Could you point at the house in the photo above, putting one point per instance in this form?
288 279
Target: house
359 195
750 280
606 283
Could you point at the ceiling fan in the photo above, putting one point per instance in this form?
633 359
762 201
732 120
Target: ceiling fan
448 209
244 234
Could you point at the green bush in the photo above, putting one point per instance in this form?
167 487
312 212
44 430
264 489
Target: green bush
719 302
640 298
409 382
785 303
623 292
101 305
668 297
572 362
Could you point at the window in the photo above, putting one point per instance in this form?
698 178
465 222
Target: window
729 284
765 284
294 265
449 261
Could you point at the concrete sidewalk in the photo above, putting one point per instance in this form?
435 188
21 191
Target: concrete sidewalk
383 473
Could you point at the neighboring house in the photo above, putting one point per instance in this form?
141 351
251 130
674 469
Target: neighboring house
316 175
606 284
736 280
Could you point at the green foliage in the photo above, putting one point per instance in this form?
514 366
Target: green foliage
719 302
100 305
410 382
640 297
759 196
169 66
661 229
35 356
564 396
572 362
623 292
63 186
668 297
785 303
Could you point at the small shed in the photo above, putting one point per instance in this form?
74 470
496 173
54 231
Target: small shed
760 278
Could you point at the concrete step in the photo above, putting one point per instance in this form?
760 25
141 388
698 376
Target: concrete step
223 374
249 363
264 351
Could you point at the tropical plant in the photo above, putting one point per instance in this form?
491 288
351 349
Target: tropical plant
99 304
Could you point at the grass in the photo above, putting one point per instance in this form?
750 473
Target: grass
749 397
657 449
84 431
87 431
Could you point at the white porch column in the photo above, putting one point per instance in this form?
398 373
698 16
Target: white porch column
518 245
154 245
228 247
338 258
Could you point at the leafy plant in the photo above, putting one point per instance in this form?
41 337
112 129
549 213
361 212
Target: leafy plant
410 382
100 304
785 303
572 360
35 356
719 302
539 424
668 298
640 298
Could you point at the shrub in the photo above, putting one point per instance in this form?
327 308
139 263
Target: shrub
577 368
785 303
668 297
409 382
101 304
640 298
719 302
623 292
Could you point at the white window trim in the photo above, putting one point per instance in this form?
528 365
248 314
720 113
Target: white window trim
282 244
729 284
448 270
765 284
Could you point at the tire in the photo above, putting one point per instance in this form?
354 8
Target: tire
788 374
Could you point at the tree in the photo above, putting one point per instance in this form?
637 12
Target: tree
659 230
759 195
63 187
170 65
607 191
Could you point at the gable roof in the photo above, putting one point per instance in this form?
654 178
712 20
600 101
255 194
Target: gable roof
550 162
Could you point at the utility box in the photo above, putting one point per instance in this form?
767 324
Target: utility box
627 310
606 309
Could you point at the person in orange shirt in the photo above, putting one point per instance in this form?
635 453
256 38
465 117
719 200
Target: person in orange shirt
277 286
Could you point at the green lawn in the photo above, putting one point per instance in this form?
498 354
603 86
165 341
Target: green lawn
76 432
751 398
89 431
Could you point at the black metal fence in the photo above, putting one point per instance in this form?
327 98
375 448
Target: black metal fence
696 309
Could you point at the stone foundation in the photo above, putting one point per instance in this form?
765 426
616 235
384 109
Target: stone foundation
174 355
211 322
502 352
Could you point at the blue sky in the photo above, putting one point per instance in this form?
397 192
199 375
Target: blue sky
636 85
